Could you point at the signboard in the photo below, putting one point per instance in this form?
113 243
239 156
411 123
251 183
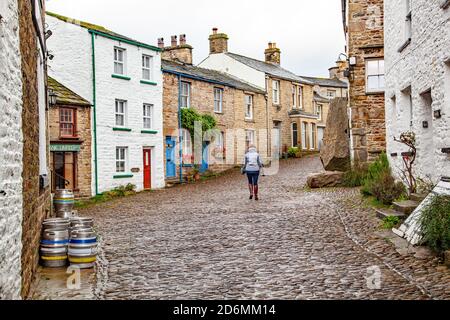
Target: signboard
65 148
410 230
135 170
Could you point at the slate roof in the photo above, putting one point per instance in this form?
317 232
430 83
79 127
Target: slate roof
97 28
319 98
208 75
66 96
268 68
327 82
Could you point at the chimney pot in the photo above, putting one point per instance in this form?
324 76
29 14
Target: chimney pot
174 41
215 30
161 43
182 39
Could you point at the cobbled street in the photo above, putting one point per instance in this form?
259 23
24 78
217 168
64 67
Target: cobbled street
208 241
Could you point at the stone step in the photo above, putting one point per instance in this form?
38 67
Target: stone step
407 207
417 197
384 213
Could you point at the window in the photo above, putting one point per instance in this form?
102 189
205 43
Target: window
187 147
294 134
300 97
219 148
218 100
147 65
148 116
276 91
304 132
121 107
331 94
249 138
294 96
320 111
248 107
119 61
67 122
312 136
121 159
185 94
375 76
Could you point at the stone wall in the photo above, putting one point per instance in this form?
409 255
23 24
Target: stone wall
419 71
365 41
11 150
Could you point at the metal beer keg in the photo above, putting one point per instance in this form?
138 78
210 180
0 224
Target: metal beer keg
82 250
53 248
64 202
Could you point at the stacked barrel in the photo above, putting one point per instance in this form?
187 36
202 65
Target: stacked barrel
83 243
64 202
54 242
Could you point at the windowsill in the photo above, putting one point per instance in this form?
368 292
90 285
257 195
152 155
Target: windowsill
149 82
123 176
405 45
69 138
218 112
374 92
187 165
118 76
122 129
149 131
250 120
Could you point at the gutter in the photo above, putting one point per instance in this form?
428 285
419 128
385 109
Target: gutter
187 76
94 109
128 41
38 30
180 136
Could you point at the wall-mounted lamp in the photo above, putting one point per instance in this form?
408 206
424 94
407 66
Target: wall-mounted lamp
52 96
48 34
437 114
425 124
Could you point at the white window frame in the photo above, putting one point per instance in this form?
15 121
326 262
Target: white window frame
380 74
121 159
312 136
185 95
248 107
331 94
218 100
320 111
186 147
294 96
276 92
304 132
118 62
294 143
148 67
300 97
147 115
118 113
250 137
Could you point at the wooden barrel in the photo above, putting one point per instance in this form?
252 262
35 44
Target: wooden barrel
64 201
82 251
53 248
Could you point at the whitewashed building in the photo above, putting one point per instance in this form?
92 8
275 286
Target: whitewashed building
123 79
417 56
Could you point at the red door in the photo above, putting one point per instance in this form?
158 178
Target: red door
147 169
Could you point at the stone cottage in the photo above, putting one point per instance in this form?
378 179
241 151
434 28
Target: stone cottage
290 98
364 31
24 174
239 109
417 49
70 141
122 79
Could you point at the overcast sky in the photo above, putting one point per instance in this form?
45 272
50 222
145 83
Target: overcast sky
308 32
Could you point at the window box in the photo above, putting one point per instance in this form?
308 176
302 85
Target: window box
149 131
118 76
149 82
123 176
122 129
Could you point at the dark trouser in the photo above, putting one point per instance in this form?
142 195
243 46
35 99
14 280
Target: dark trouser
253 177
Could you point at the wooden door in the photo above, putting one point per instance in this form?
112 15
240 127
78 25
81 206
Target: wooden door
147 168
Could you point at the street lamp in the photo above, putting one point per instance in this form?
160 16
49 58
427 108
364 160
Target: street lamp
52 96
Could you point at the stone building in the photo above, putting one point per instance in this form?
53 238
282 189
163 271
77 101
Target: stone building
417 49
239 109
70 141
24 187
292 118
122 79
363 25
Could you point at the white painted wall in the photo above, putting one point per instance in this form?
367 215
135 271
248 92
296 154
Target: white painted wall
72 65
11 151
420 66
223 63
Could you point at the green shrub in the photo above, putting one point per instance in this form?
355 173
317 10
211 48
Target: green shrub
355 176
130 187
189 116
390 222
386 189
435 223
293 152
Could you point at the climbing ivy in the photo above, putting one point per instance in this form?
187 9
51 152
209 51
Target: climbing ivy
189 116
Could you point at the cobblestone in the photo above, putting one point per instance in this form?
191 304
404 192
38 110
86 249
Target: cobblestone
208 241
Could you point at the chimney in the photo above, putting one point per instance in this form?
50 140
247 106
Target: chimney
161 43
178 52
218 42
273 54
338 71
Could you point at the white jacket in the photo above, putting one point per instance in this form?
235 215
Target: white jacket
252 162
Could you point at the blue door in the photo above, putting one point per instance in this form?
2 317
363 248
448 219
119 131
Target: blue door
205 158
170 157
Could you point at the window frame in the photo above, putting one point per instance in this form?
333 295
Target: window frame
300 97
319 109
124 113
250 133
304 133
276 84
149 68
218 103
312 136
186 147
73 122
147 116
119 159
249 104
185 96
378 90
118 62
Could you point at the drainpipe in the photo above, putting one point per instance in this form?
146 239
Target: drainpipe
269 130
94 106
180 136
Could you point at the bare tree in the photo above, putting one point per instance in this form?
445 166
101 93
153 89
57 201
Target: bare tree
409 139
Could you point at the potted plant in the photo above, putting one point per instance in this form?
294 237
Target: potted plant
196 173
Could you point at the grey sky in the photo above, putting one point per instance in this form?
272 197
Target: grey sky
308 32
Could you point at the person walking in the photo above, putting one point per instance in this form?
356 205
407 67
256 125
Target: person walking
252 167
